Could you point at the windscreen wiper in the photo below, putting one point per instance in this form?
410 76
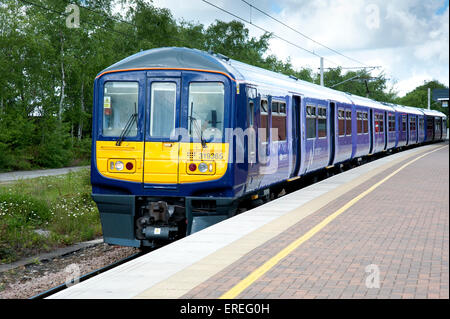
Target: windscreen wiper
126 129
197 128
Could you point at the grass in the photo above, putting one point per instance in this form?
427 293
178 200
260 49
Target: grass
60 205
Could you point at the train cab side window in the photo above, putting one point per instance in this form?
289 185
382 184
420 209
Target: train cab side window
264 120
359 122
310 121
341 122
279 119
365 123
322 121
251 112
348 124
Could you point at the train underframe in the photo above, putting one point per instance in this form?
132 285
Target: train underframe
145 221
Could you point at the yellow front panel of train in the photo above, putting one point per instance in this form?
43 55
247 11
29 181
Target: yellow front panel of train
162 162
122 162
215 156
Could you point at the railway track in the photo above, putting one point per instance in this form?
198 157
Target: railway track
89 275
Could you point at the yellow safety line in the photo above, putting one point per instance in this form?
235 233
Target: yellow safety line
260 271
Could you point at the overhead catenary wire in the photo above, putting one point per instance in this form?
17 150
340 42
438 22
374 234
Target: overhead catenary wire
304 35
274 34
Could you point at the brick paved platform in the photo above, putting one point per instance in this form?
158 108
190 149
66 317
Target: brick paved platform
396 236
402 227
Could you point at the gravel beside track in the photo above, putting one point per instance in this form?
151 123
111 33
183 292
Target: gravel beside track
30 280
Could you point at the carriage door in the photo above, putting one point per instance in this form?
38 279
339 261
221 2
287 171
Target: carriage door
161 145
332 125
372 130
296 135
252 101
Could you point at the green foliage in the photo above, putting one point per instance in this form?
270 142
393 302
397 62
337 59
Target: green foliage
18 209
419 96
61 205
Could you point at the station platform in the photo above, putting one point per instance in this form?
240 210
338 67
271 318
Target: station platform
380 230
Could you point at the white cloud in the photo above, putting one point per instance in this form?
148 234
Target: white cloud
410 41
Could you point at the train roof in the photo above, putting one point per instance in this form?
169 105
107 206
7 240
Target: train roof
359 100
170 57
193 59
413 110
433 113
400 108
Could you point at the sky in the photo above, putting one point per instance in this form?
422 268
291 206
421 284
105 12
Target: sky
409 39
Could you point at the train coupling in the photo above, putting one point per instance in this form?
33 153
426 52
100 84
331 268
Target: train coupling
157 222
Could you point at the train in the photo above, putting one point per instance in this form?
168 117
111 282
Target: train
182 137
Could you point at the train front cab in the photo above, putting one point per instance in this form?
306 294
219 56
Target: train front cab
150 162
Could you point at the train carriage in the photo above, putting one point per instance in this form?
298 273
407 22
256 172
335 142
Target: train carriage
182 137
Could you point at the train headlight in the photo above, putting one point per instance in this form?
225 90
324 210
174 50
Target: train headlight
202 167
119 165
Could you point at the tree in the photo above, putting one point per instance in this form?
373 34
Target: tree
419 96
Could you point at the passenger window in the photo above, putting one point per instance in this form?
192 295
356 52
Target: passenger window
403 123
391 122
310 121
322 121
274 107
359 122
264 119
341 122
348 124
412 123
120 101
279 119
365 123
377 123
381 121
